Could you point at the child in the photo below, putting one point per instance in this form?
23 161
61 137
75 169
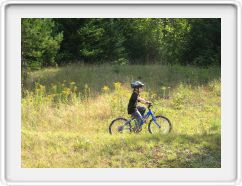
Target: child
137 111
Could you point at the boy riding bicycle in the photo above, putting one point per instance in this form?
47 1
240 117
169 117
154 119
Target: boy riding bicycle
157 123
137 111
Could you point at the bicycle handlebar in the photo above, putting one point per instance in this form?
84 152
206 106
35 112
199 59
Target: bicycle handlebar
149 105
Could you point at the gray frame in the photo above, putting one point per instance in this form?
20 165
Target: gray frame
3 144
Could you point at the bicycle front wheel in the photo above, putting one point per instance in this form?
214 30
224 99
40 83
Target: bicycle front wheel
162 125
120 126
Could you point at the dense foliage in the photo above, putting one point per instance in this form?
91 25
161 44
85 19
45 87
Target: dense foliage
40 43
47 42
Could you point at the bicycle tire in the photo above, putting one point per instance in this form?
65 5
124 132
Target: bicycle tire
115 121
165 119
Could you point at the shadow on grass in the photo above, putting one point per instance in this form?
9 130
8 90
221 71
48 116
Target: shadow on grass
167 151
125 151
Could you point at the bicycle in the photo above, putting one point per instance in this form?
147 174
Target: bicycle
157 124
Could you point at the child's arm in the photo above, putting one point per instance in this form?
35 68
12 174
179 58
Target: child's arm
143 100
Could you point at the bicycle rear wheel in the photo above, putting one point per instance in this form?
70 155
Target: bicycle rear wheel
120 126
164 127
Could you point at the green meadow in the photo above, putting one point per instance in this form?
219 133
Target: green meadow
66 112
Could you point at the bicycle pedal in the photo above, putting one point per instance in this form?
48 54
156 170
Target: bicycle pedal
137 129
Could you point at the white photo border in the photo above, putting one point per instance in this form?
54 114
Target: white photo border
235 3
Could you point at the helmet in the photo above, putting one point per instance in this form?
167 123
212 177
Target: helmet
137 84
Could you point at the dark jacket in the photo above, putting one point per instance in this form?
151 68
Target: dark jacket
132 106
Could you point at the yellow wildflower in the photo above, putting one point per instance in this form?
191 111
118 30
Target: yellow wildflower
105 89
117 85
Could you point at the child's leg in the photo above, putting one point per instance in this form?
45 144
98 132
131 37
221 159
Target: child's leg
138 116
141 110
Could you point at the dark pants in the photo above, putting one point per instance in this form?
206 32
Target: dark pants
139 112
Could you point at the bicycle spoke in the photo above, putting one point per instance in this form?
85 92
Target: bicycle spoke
161 126
119 126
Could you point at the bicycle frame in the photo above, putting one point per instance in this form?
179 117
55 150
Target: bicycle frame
150 113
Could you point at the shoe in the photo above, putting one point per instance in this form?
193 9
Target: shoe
137 128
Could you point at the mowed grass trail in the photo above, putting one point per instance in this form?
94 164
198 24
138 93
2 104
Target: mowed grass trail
66 112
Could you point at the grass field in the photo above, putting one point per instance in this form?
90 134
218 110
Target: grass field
66 112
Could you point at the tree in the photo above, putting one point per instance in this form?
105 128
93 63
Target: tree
39 43
203 43
70 46
118 40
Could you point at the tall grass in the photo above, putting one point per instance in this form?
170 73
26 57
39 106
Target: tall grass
96 77
66 113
